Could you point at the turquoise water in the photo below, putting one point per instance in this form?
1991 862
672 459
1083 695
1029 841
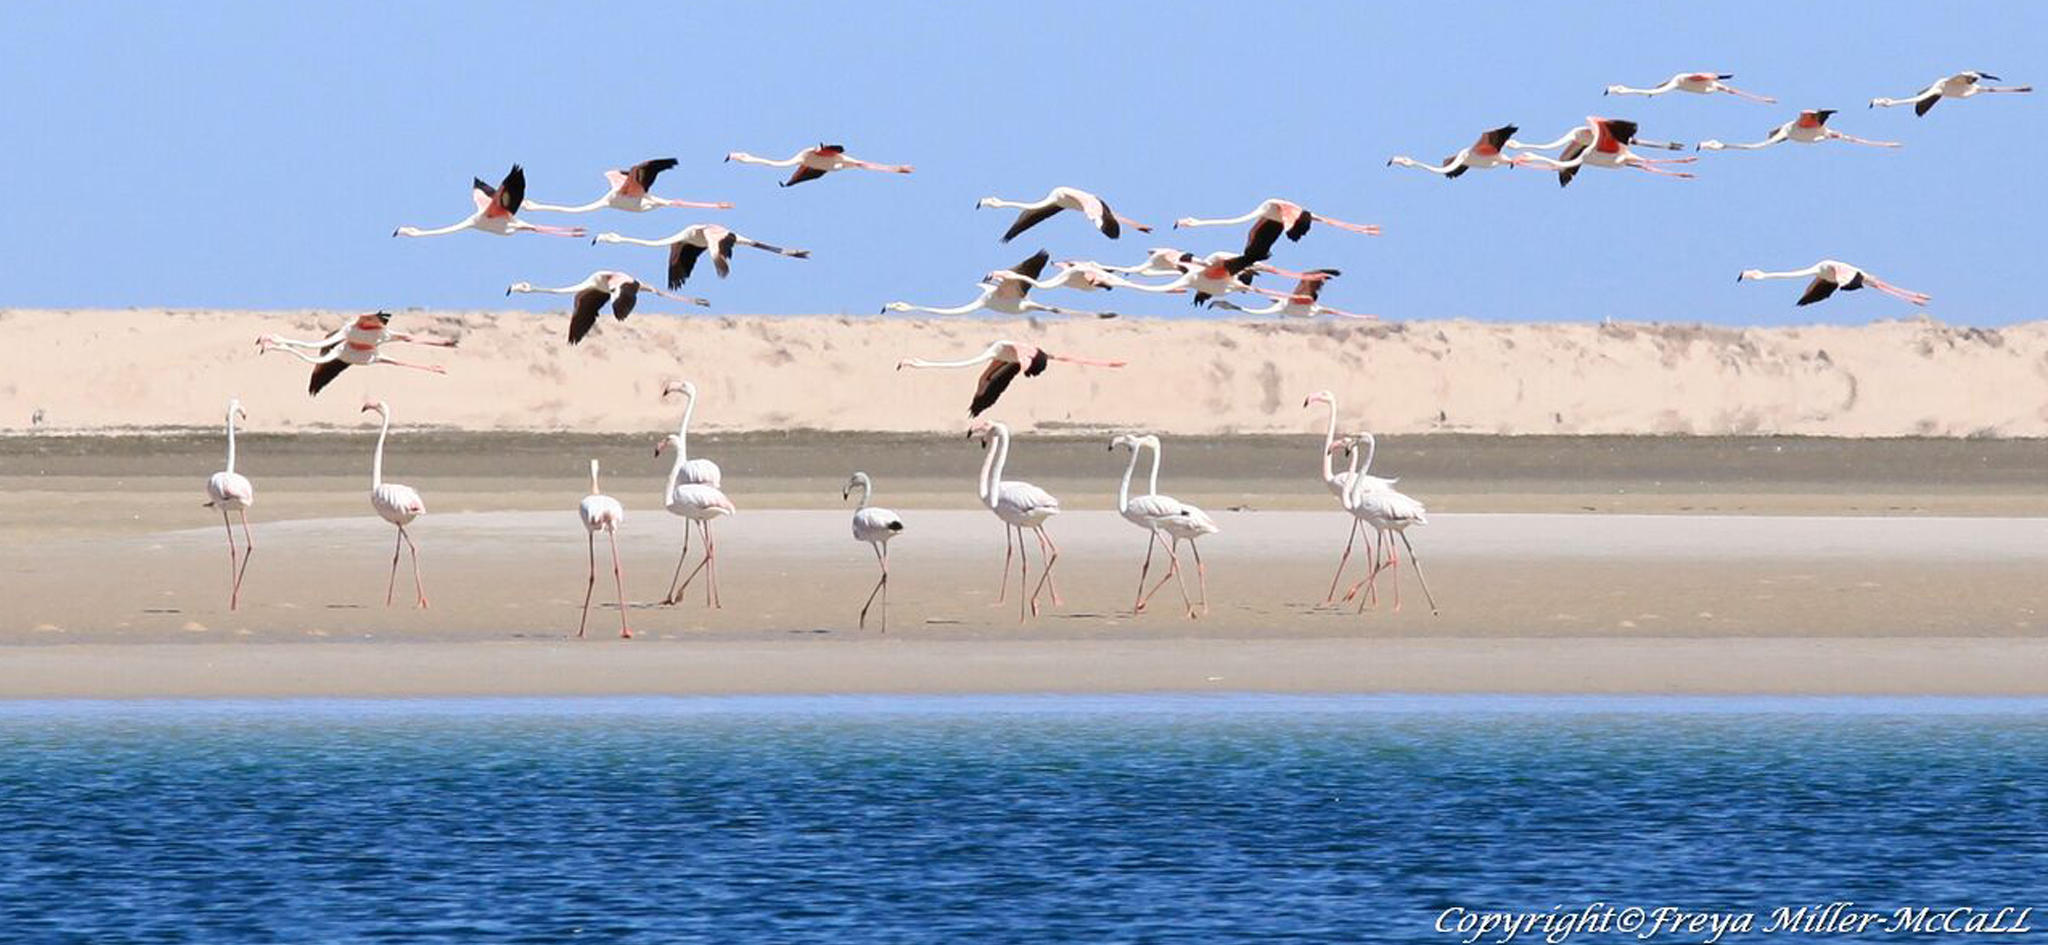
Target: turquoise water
1026 819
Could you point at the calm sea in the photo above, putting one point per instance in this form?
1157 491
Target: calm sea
973 820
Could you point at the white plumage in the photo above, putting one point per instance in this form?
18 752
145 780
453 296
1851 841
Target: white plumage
230 491
602 513
396 504
1021 506
698 502
874 526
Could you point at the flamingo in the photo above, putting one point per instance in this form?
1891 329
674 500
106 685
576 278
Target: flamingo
813 163
1020 506
1005 359
1339 483
1301 303
230 491
1604 143
693 470
1004 291
875 526
360 342
701 503
602 513
1388 512
1159 261
496 209
396 504
629 192
1960 85
1483 154
1188 527
1830 275
1217 274
1809 128
1159 514
1037 211
621 289
1275 217
1698 83
1082 275
690 242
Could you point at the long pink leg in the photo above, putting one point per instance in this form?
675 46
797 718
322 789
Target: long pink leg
1004 590
1331 597
1369 229
1201 573
1138 601
1173 573
1394 569
430 368
589 588
1023 579
1748 95
397 548
234 562
619 579
1416 563
675 593
881 558
1172 568
1647 169
419 590
1050 553
1370 582
248 551
711 578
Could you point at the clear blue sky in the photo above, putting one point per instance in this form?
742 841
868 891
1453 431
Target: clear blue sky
259 155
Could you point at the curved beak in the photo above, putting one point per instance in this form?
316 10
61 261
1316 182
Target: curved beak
508 290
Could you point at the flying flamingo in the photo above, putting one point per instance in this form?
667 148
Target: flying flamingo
620 289
629 192
1698 83
602 513
1388 512
813 163
1604 143
1021 506
1159 261
1301 303
1810 127
496 209
1960 85
1216 275
875 526
1276 217
1483 154
699 502
1005 359
1082 275
1339 483
693 470
396 504
1830 275
1003 291
230 491
360 342
1037 211
690 242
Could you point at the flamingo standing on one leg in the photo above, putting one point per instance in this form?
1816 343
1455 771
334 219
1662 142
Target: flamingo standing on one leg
1698 83
701 503
396 504
1033 212
230 491
1005 359
602 513
1303 302
629 192
360 342
1388 512
1021 506
690 242
1811 127
620 289
1961 85
1830 275
1483 154
875 526
496 212
1271 219
1004 291
1605 143
813 163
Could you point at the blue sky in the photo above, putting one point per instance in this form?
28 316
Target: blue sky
259 155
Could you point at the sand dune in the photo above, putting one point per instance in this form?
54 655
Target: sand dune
100 370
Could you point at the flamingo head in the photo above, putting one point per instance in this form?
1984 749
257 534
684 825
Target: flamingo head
604 238
235 409
1611 90
519 287
1131 440
684 388
984 429
382 409
1749 274
896 307
858 480
664 444
1183 221
1320 397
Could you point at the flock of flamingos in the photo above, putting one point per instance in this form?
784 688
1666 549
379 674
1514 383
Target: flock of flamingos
693 490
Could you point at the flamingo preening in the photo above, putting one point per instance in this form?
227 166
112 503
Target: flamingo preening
1005 359
1271 219
1482 154
1960 85
1004 291
1698 83
1033 212
693 493
396 504
230 491
1830 275
629 192
496 212
1162 517
690 242
692 470
1603 142
813 163
1021 506
875 526
360 342
1301 303
620 289
602 513
1809 128
1388 512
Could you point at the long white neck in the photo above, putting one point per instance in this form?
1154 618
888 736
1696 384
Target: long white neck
377 462
598 204
564 290
616 238
675 474
594 490
992 468
867 492
438 231
1247 218
231 441
1152 481
1362 468
1329 440
683 432
1123 490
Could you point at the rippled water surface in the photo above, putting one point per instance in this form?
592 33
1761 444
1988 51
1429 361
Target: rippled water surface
1053 819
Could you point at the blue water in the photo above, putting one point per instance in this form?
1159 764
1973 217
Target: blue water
1028 820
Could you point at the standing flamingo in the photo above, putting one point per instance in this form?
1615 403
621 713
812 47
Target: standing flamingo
1275 217
1961 85
230 491
1033 212
621 289
1162 517
875 526
1301 303
1830 275
1811 127
1005 359
698 502
1483 154
1004 291
813 163
1604 142
496 209
629 192
1698 83
1192 524
690 242
1020 506
693 470
1339 483
396 504
1388 512
602 513
360 342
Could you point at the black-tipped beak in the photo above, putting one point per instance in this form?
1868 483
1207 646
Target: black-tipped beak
593 241
508 292
1988 75
394 232
1738 277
